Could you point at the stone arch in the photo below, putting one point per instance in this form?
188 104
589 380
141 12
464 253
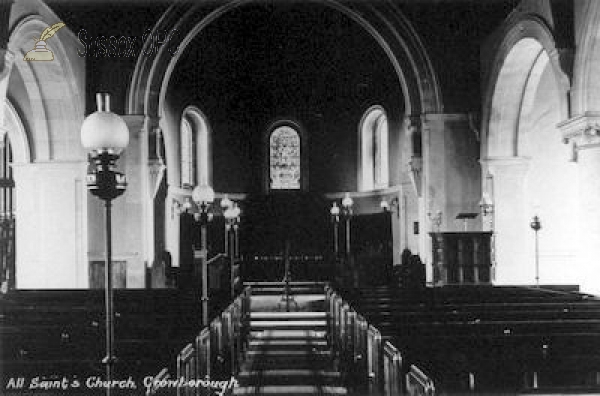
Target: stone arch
587 62
521 46
382 20
51 90
526 97
17 134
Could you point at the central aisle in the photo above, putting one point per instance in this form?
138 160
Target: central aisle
288 352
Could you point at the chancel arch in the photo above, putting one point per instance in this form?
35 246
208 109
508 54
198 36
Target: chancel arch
383 21
151 90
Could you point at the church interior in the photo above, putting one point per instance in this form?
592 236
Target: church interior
324 197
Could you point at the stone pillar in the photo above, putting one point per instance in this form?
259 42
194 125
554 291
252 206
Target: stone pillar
513 264
51 227
583 134
155 174
6 63
451 177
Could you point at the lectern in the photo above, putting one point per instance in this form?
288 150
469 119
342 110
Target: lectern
462 258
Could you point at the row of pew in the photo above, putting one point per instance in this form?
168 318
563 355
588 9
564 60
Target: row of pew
484 339
370 364
212 358
55 334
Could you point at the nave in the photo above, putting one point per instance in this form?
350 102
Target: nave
316 339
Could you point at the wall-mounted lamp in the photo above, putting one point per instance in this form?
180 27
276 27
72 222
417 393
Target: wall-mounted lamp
436 220
392 206
486 205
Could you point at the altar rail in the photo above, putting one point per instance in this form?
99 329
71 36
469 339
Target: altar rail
272 268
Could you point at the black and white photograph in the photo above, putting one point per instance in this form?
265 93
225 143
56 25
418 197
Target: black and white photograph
299 197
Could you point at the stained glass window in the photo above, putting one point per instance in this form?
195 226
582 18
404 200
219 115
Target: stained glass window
284 159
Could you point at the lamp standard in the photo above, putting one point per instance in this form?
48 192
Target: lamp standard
226 203
236 230
347 204
203 196
335 219
231 215
536 225
105 134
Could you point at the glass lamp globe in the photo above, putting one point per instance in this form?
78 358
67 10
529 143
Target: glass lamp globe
335 210
104 131
236 210
203 194
347 202
226 202
385 205
229 213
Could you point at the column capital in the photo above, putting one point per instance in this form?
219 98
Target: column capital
135 123
412 121
581 132
517 166
506 167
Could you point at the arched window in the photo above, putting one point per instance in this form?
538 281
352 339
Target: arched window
195 148
188 158
374 146
285 159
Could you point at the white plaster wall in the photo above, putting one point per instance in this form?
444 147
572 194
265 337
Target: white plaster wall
540 181
50 236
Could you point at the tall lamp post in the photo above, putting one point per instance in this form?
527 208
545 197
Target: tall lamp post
347 204
226 203
236 231
232 216
335 220
536 225
105 135
203 196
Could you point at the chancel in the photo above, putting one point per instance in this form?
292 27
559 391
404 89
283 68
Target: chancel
334 197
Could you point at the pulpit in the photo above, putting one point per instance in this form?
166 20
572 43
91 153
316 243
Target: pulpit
462 258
